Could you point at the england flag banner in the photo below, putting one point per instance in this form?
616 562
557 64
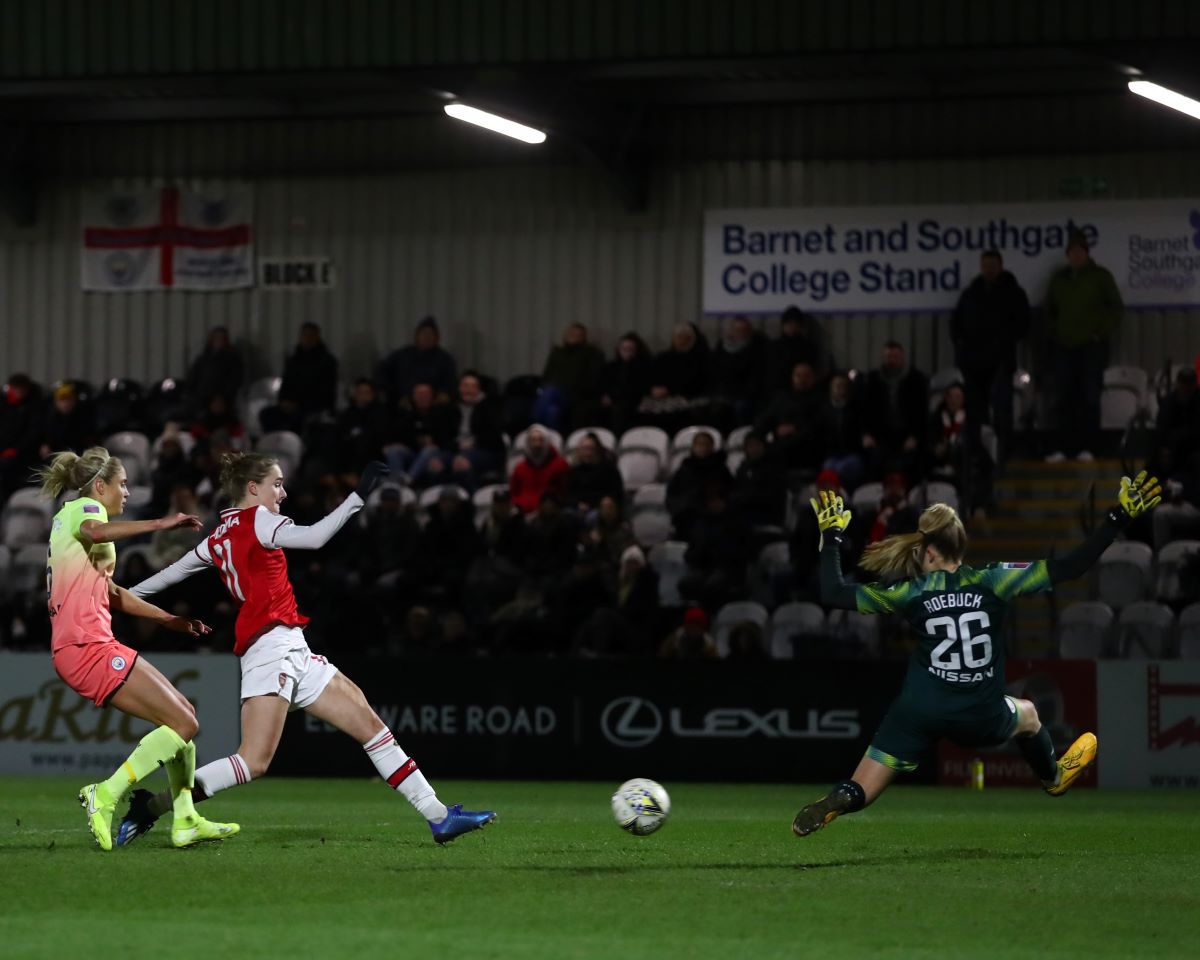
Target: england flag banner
920 258
168 238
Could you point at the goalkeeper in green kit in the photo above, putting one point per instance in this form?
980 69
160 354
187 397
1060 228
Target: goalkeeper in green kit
955 682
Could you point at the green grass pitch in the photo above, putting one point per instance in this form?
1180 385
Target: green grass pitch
345 868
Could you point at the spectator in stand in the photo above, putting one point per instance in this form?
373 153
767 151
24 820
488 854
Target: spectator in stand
717 554
947 434
494 576
895 513
477 449
692 641
424 429
738 368
759 486
423 361
20 418
219 425
309 385
792 419
800 340
624 381
69 424
570 382
622 627
842 432
895 409
449 545
391 557
1177 461
1082 311
746 642
679 381
593 476
992 316
218 369
540 472
172 467
363 429
701 472
610 536
167 546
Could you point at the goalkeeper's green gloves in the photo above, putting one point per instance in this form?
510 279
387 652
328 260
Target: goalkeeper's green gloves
1136 496
831 515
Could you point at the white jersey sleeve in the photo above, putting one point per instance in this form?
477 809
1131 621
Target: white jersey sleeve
275 531
191 562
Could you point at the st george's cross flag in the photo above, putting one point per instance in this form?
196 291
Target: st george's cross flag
168 238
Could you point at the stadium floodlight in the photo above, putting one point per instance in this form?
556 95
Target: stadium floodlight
1165 96
497 124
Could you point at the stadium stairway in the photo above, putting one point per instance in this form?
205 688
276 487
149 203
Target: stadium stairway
1040 507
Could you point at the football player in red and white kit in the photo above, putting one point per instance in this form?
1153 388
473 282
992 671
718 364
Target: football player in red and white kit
279 671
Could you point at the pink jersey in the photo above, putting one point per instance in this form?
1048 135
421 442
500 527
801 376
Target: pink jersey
255 572
78 575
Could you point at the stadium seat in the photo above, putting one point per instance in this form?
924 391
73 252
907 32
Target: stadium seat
856 635
866 498
638 468
260 394
134 450
284 446
733 614
407 499
683 439
1124 573
553 436
650 439
127 554
1118 405
186 442
936 491
603 434
482 499
1129 378
30 498
737 439
734 459
1189 632
28 568
1146 630
790 624
21 526
1083 631
667 560
5 570
772 558
650 496
139 500
431 495
1172 559
651 526
118 405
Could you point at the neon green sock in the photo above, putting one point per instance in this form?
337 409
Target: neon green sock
181 772
156 749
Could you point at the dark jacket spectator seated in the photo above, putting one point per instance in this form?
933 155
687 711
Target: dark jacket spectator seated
218 369
593 476
624 381
424 428
759 486
792 419
895 409
700 473
308 387
738 369
422 361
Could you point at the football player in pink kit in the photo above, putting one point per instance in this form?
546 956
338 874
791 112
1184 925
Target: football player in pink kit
279 672
79 569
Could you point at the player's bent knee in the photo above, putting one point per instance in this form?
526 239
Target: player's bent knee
1029 722
186 726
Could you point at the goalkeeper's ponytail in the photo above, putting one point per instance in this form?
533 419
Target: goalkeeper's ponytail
900 555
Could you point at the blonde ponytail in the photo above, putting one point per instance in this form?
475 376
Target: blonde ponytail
72 471
900 555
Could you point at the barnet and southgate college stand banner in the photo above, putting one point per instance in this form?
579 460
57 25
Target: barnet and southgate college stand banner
920 258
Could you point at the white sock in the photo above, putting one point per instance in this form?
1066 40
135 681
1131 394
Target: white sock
220 775
401 773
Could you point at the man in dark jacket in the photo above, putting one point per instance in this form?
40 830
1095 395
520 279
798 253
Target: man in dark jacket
309 385
895 410
800 340
792 419
218 369
991 317
738 365
571 381
422 361
477 449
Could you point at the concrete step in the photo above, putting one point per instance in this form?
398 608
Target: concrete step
1025 526
1037 487
1068 468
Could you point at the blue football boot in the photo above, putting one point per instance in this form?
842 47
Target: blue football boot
459 821
138 820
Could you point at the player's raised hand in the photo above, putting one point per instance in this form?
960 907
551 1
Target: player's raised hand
1140 494
195 628
831 512
372 475
188 520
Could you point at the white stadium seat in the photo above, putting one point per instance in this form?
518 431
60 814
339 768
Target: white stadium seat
1124 573
1083 631
638 468
792 622
1118 405
667 559
683 439
733 614
1171 561
1146 631
1189 632
650 439
651 525
603 434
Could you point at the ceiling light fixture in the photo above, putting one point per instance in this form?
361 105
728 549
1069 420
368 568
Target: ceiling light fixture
1168 98
490 121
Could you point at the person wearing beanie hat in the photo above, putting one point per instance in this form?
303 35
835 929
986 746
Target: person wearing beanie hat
691 641
422 361
1082 311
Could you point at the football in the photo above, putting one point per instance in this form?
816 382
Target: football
641 806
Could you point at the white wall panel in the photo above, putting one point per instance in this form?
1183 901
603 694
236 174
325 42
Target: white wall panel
504 257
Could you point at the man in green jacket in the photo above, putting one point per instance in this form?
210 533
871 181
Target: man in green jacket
1082 310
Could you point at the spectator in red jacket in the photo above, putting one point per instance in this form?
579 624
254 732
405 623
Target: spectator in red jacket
542 470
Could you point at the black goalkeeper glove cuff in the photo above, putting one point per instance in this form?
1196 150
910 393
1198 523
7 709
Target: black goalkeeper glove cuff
372 475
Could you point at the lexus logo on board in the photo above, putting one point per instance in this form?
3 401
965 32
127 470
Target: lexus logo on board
631 722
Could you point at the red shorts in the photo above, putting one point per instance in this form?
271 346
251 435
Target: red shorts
95 671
